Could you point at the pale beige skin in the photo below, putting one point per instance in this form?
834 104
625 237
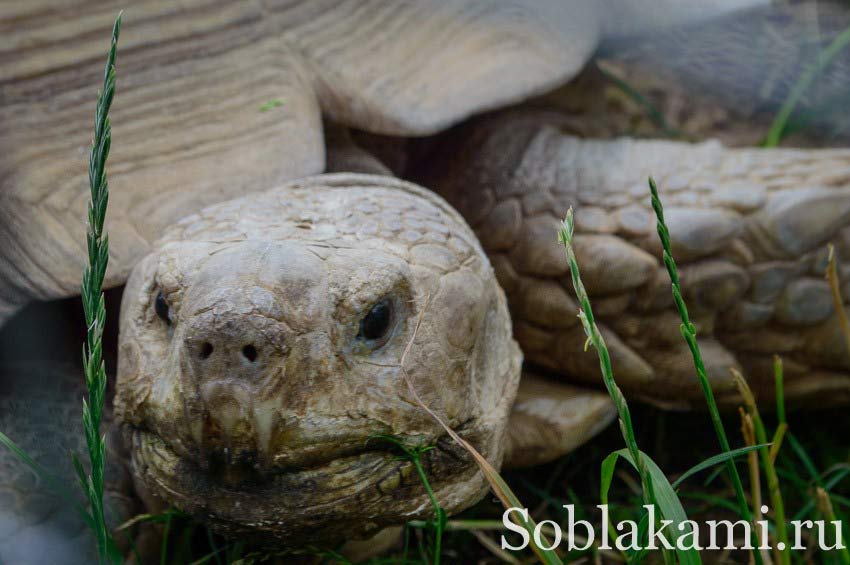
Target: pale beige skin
213 69
291 272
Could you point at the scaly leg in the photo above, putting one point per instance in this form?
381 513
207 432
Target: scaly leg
550 419
749 229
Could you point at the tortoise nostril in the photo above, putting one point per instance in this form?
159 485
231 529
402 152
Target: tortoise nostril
206 350
250 353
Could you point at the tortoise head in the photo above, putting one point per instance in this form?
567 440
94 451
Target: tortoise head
260 359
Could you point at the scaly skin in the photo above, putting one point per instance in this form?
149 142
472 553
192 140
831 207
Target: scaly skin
279 445
748 227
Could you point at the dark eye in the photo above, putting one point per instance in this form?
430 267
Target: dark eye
160 306
377 322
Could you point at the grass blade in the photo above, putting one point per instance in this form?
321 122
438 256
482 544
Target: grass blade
748 430
715 460
689 332
779 434
803 84
95 310
45 477
565 236
500 488
827 485
804 458
783 555
666 501
826 510
414 455
648 480
837 299
652 111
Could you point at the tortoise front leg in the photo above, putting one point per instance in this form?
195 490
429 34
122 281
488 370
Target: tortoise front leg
550 419
749 229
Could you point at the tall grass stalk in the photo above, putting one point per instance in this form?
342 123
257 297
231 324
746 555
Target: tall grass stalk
95 310
650 475
828 513
565 236
689 332
779 382
769 468
749 432
837 299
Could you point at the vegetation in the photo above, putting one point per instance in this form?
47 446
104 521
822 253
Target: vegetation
95 311
94 306
803 83
801 482
789 476
438 524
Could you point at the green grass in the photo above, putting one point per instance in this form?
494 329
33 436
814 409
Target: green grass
95 312
805 472
652 111
94 307
689 333
497 484
651 477
438 523
589 476
802 85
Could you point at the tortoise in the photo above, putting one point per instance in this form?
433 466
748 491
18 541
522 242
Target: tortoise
268 306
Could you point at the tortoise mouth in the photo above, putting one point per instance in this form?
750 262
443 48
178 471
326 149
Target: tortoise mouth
354 493
241 473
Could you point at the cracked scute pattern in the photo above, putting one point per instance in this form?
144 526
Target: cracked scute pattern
260 364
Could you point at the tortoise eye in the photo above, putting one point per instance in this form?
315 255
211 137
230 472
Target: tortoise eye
161 308
376 323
